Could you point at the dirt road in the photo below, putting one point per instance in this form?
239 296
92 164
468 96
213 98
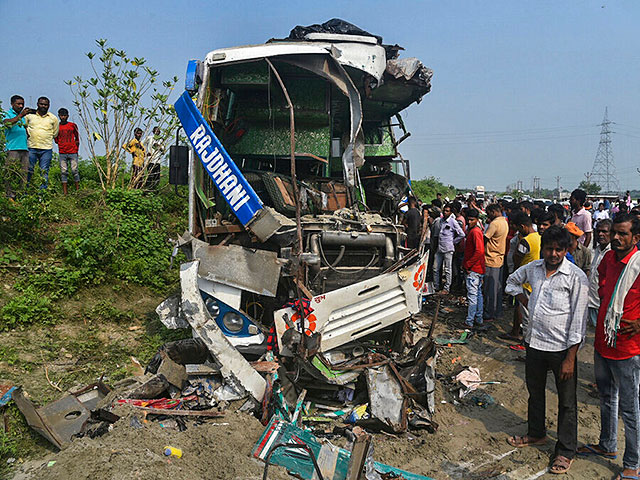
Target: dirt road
469 444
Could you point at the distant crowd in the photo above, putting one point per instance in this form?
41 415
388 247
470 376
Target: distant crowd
31 133
565 268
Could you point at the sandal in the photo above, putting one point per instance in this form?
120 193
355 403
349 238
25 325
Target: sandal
621 476
520 441
561 464
593 449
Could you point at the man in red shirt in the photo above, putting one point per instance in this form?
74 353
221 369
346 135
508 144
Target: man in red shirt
474 268
617 346
68 141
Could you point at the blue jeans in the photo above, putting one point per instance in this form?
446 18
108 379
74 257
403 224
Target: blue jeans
593 316
43 159
474 297
443 259
618 382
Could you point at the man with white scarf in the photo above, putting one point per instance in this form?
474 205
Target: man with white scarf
617 346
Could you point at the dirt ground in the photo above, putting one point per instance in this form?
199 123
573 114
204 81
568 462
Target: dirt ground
469 444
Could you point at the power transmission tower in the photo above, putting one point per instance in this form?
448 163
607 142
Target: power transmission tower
536 186
603 172
557 188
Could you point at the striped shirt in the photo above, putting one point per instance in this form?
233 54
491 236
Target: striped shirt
557 306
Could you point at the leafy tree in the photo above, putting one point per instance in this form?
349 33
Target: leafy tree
123 93
427 188
590 187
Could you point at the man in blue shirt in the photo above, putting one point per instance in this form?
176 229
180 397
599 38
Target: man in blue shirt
17 161
451 233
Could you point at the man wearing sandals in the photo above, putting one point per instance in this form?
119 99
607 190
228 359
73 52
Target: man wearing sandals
617 346
557 325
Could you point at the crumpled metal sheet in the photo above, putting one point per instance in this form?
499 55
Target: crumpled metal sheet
59 421
386 398
235 369
170 313
256 271
411 69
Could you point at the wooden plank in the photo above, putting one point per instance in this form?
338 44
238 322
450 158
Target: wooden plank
181 413
358 455
284 191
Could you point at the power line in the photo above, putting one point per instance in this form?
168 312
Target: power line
509 132
507 140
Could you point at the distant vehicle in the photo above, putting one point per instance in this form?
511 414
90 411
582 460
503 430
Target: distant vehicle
546 201
480 192
507 198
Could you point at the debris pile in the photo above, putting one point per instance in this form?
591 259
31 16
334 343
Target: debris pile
298 286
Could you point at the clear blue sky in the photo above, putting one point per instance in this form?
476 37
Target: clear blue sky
518 87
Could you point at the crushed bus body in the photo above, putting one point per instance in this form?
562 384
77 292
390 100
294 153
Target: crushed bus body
295 184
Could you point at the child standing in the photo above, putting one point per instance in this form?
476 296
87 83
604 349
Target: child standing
137 151
68 141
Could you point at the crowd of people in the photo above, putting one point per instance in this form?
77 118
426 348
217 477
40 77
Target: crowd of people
561 277
30 135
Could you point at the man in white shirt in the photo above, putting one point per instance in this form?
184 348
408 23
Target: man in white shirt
155 147
603 238
600 214
556 328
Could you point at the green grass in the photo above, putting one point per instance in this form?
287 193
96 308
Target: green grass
80 277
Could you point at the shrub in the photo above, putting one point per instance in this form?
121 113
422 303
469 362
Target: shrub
105 311
27 308
22 220
55 282
123 241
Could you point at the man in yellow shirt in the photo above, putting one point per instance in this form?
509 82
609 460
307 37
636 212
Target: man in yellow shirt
527 251
42 128
137 151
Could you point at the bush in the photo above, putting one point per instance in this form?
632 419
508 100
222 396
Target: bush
27 308
7 445
132 202
123 242
22 220
54 282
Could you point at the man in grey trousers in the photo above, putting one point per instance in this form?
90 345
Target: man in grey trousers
495 238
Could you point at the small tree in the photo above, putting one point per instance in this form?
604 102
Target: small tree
590 187
122 94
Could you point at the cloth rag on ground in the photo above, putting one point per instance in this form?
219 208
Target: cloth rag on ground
470 379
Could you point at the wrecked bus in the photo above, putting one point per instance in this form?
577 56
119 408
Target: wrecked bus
295 183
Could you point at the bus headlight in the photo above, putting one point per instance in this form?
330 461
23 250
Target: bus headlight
233 322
